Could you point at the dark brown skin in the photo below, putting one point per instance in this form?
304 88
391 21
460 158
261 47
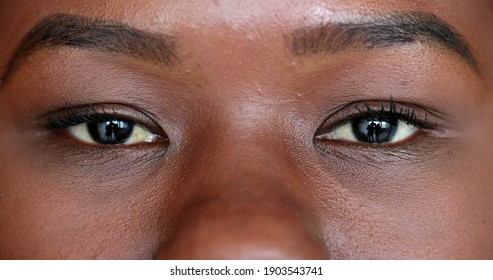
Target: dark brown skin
239 171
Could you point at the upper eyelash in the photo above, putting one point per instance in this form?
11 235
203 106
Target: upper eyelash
75 118
408 115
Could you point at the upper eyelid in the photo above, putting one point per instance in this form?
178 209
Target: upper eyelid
398 104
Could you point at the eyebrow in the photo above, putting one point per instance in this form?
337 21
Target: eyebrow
88 33
397 29
113 37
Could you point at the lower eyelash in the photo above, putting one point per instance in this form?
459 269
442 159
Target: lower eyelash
419 149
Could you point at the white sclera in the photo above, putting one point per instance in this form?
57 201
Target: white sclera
139 135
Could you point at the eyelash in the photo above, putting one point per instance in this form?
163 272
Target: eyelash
410 114
76 117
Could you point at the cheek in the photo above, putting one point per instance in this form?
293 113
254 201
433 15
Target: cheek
437 209
41 220
439 226
53 210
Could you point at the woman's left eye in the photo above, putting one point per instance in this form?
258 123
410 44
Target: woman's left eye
372 130
111 132
378 123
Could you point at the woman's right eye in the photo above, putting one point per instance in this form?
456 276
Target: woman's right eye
112 132
107 125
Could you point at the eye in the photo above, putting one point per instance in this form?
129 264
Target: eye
377 122
111 132
373 130
106 125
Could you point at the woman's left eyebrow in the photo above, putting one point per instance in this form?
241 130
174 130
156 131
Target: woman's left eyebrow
381 31
87 33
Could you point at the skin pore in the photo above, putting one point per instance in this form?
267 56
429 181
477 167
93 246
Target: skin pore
245 115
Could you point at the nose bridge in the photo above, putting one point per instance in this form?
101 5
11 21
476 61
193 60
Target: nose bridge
246 161
242 204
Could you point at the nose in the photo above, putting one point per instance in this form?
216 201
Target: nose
248 206
244 199
238 228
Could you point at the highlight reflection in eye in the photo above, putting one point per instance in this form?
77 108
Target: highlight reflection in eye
111 132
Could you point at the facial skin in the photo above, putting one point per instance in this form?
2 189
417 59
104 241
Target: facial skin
247 103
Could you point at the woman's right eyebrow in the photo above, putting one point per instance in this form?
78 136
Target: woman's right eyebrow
87 33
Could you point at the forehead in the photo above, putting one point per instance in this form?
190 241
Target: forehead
157 15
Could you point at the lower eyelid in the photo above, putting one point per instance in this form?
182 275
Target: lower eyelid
68 153
419 148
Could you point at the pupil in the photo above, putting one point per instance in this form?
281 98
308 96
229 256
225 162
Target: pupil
110 132
373 130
